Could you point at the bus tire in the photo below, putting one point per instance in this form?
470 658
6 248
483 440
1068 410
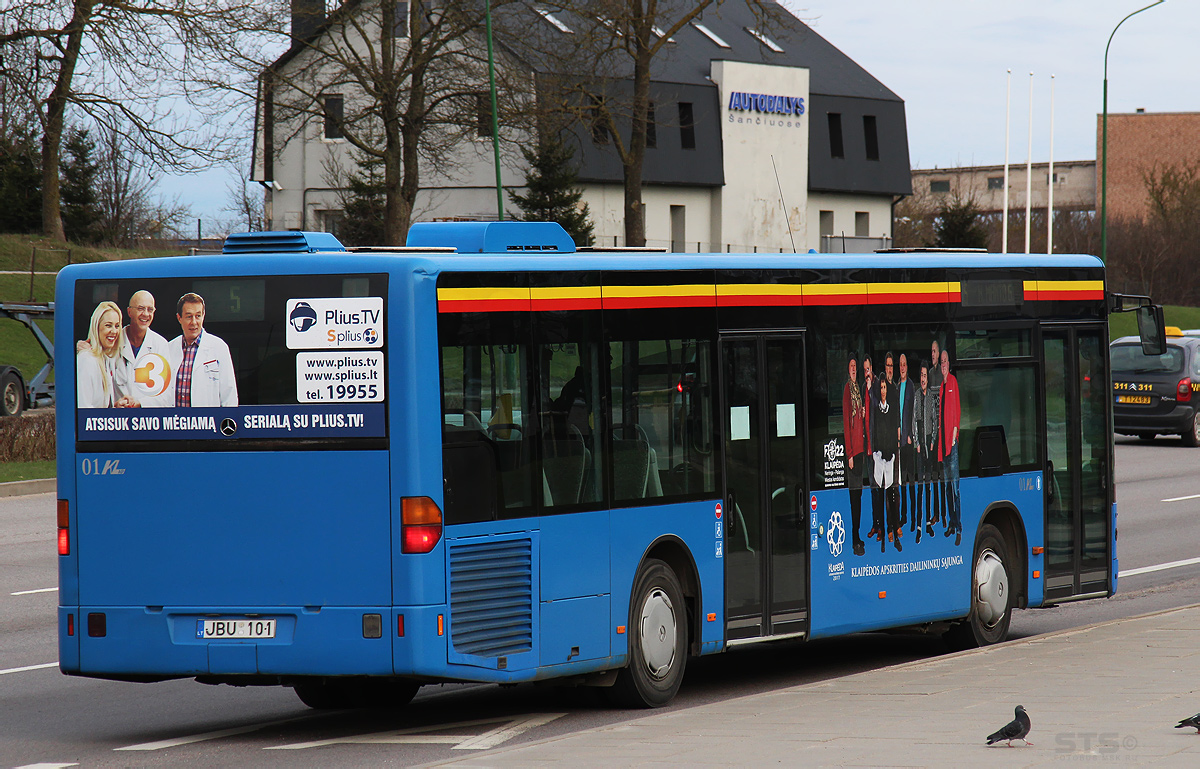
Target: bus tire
657 640
349 693
991 594
12 400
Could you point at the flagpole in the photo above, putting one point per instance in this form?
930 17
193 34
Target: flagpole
1029 166
1050 179
1007 131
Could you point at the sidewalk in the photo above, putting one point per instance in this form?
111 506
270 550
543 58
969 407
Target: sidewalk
20 488
1108 693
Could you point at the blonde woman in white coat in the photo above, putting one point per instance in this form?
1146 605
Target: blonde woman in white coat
95 366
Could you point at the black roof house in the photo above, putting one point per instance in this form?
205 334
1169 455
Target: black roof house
868 165
842 95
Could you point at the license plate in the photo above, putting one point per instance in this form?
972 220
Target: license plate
1143 400
214 629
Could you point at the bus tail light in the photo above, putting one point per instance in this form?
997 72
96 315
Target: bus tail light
64 528
420 525
1183 392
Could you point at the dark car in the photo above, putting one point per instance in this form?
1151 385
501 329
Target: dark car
1157 394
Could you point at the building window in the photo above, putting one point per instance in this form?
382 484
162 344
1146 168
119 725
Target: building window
836 150
1060 179
871 135
333 107
599 128
555 21
678 229
651 128
939 185
826 223
713 36
995 183
483 115
768 42
862 224
269 134
687 126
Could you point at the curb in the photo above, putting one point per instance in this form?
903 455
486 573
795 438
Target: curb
21 488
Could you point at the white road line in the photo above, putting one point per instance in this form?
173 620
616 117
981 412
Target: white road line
46 766
507 729
1158 567
29 667
31 592
177 741
1180 499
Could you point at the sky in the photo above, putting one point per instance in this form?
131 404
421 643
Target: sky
948 60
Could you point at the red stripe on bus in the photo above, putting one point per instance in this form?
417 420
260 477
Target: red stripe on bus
832 300
938 298
731 300
652 302
1070 296
580 303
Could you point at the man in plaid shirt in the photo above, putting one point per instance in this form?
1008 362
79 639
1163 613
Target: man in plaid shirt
203 367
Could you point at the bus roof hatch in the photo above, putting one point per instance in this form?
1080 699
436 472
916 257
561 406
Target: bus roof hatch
280 242
492 237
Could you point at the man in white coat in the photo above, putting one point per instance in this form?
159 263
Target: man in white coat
141 376
200 362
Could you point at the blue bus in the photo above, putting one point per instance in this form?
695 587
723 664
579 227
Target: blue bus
490 456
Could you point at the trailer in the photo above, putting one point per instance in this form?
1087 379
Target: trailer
16 394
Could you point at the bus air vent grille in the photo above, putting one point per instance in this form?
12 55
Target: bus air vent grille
491 597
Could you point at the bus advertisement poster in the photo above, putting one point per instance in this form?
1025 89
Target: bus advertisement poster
360 420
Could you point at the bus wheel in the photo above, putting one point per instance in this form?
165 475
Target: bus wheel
657 640
991 595
347 693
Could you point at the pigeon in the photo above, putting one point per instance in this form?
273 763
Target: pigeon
1190 721
1015 729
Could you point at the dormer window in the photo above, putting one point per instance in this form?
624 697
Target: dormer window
713 36
556 22
768 42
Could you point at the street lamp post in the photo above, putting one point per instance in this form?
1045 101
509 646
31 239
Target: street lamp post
1104 141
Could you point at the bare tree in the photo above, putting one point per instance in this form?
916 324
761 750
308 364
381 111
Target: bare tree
128 63
129 210
619 45
413 80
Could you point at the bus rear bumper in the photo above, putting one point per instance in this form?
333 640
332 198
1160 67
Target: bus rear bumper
164 642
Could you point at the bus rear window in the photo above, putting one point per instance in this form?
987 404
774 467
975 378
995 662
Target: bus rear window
233 360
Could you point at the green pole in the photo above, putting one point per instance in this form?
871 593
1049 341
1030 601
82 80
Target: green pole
1104 141
495 118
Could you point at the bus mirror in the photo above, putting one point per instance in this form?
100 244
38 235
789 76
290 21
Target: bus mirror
1151 329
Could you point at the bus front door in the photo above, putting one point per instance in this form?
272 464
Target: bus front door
1078 475
766 502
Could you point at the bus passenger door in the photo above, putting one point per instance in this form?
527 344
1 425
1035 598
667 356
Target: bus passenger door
1077 478
766 500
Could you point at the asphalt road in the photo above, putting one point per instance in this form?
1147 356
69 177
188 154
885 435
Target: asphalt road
50 719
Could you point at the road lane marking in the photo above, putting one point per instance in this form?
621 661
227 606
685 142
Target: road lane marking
1158 567
31 592
509 728
1180 499
29 667
189 739
46 766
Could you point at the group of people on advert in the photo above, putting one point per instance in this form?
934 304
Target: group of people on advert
902 442
136 367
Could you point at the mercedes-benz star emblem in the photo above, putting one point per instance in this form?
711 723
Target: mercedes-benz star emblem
228 427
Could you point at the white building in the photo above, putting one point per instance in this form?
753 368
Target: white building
750 121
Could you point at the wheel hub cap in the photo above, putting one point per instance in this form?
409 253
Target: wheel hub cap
658 633
991 580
